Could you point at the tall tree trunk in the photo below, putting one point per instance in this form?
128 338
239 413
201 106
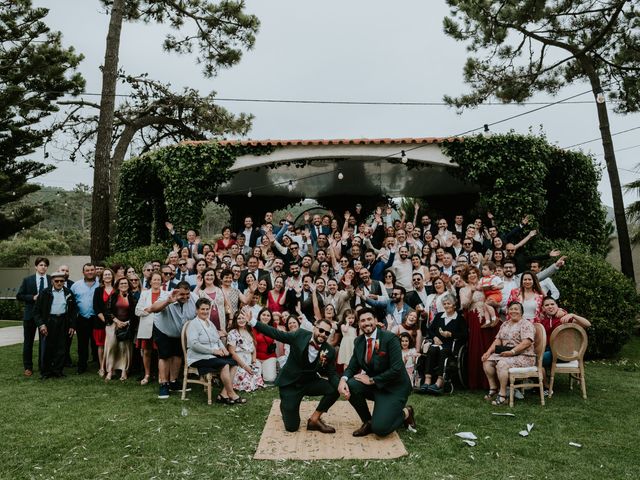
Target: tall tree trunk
626 259
117 158
100 224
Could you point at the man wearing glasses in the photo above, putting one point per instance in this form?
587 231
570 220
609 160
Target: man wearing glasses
167 278
55 315
310 371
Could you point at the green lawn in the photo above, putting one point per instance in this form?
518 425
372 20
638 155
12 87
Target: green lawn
79 428
10 323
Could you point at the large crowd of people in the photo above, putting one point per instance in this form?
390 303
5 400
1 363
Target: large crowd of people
426 284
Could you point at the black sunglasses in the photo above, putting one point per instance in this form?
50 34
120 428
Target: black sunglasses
322 330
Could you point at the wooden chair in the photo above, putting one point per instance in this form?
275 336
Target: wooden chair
525 373
206 380
568 344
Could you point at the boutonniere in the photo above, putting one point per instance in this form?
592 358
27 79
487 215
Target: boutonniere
377 347
323 358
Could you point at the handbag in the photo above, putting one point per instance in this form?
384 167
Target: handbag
503 348
123 334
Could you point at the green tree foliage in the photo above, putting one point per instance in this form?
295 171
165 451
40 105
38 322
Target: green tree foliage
633 211
521 47
16 252
522 175
592 288
137 257
35 70
217 32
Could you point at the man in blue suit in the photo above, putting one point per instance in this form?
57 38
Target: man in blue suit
28 293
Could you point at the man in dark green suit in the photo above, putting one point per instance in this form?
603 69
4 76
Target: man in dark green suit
384 379
310 370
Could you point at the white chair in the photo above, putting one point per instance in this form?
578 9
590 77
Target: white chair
526 373
568 345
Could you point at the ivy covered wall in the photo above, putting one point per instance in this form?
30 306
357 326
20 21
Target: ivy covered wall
517 175
524 174
172 183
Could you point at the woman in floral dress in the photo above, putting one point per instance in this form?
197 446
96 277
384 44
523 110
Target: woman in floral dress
241 346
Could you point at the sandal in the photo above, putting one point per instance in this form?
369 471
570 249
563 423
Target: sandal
237 401
491 395
145 380
221 399
500 400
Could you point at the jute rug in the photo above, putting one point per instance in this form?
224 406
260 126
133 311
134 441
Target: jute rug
278 444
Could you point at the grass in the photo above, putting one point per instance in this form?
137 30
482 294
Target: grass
80 427
10 323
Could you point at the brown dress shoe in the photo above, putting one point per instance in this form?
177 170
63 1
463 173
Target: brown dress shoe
319 426
28 373
410 421
364 430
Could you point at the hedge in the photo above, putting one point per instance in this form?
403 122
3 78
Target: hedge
11 310
137 257
592 288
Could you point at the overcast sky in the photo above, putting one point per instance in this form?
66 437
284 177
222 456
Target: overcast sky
356 50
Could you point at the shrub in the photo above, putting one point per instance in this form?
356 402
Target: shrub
137 257
16 252
11 310
592 288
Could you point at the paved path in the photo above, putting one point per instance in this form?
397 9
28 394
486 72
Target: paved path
11 336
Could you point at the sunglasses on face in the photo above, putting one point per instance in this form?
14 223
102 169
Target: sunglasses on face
182 264
58 281
322 330
166 273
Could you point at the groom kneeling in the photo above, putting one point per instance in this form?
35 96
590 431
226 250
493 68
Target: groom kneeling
384 380
310 359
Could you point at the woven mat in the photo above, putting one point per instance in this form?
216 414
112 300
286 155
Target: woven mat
278 444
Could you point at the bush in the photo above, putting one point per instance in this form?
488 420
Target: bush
16 252
11 310
137 257
592 288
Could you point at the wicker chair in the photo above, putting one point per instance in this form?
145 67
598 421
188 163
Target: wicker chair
568 344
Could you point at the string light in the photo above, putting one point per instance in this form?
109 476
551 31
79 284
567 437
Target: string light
485 131
340 176
600 98
249 194
216 199
404 158
290 186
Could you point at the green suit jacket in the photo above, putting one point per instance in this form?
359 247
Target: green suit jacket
298 370
386 368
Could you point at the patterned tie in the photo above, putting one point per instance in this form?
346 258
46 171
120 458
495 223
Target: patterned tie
41 286
369 349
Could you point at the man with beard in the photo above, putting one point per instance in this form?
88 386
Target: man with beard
252 267
338 298
310 370
372 293
397 309
384 379
277 270
402 268
305 297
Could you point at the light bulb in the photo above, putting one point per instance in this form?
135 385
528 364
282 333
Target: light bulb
404 158
216 199
249 194
486 132
340 176
290 186
600 98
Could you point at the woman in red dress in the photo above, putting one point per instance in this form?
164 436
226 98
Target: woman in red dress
276 296
481 336
266 349
222 246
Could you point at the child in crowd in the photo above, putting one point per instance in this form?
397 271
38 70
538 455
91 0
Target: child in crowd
491 285
409 357
349 334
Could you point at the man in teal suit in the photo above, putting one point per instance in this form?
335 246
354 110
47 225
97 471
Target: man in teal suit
310 370
384 380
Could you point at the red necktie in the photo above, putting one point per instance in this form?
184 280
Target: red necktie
315 345
369 349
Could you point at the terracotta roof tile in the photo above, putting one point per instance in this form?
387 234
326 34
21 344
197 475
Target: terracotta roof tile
342 141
